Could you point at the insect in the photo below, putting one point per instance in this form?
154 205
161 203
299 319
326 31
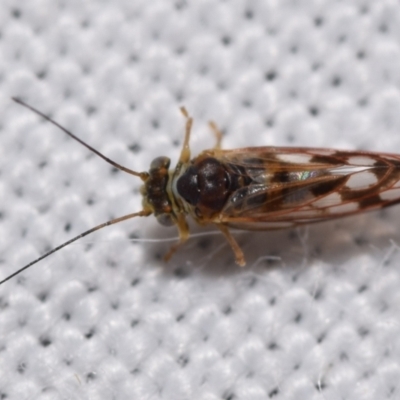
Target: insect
255 188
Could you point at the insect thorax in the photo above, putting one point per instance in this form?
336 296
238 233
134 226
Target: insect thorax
206 185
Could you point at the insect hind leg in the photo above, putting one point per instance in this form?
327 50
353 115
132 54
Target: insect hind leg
239 256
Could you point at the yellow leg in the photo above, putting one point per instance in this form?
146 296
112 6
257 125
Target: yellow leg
217 133
185 153
239 256
183 236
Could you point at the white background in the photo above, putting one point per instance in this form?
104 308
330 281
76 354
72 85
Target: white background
316 312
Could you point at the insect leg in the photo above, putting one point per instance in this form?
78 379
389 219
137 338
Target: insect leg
218 134
239 257
185 153
183 236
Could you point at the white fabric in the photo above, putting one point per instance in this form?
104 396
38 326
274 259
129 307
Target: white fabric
316 312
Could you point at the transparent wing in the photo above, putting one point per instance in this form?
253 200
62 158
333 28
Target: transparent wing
285 187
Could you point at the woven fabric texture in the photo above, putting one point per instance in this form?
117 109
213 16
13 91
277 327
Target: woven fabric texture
315 314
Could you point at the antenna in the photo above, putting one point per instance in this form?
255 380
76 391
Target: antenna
143 213
142 175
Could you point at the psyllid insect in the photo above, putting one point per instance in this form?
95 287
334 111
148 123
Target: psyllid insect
255 188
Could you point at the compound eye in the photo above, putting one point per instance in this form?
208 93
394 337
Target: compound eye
165 219
160 162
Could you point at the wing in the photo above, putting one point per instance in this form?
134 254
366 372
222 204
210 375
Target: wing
284 187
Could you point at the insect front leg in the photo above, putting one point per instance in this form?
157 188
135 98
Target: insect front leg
185 152
183 229
239 256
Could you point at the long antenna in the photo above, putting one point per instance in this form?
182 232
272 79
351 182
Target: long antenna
142 175
143 213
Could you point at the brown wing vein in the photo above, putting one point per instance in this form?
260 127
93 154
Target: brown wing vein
326 195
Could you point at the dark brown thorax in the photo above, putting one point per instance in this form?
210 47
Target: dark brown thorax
206 185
